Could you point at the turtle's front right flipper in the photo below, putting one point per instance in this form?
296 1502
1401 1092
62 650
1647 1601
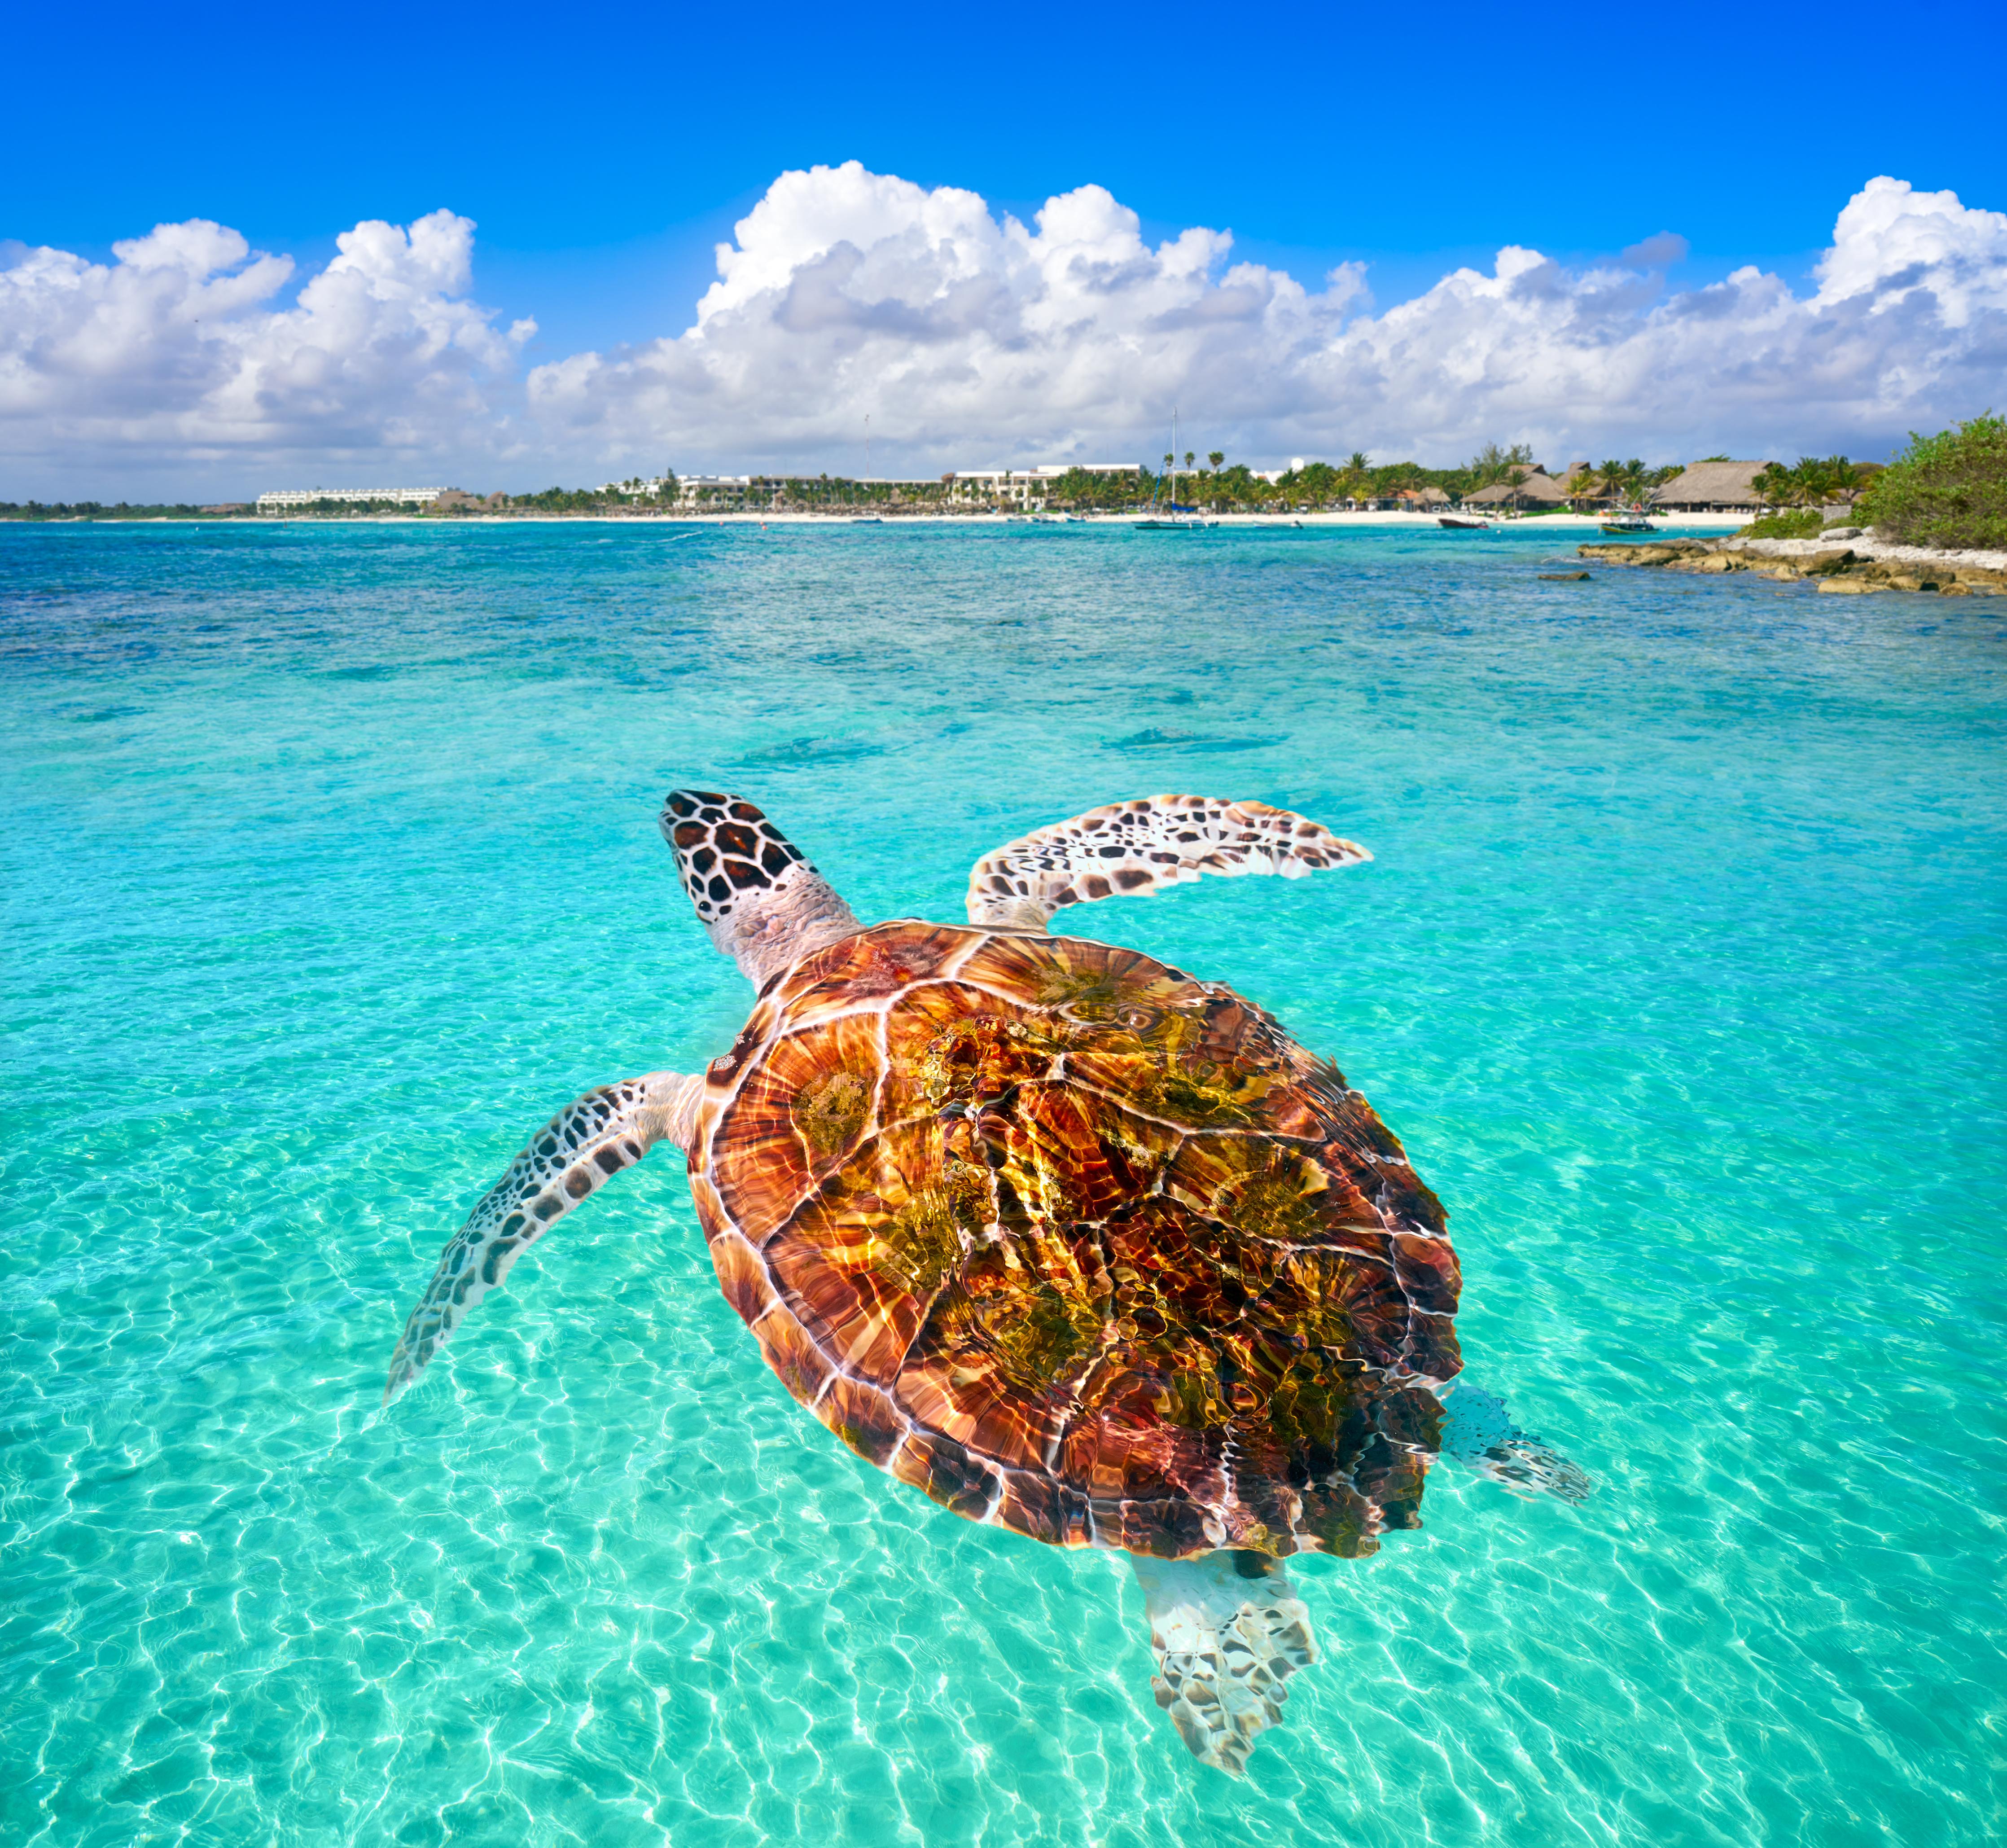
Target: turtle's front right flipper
1134 848
1479 1432
579 1148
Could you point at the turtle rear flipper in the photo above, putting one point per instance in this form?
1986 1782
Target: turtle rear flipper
1227 1630
1134 848
1479 1432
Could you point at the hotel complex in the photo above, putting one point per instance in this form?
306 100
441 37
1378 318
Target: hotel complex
280 498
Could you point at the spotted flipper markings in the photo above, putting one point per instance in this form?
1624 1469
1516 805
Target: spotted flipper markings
575 1153
1479 1432
1227 1630
1134 848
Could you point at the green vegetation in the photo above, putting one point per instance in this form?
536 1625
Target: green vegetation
92 509
1491 464
1624 481
1949 490
1355 482
1085 493
1804 525
1812 482
563 500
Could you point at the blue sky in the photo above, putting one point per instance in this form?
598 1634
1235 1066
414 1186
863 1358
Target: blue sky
602 155
603 158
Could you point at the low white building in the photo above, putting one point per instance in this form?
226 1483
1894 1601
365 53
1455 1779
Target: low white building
728 489
282 497
1027 488
653 486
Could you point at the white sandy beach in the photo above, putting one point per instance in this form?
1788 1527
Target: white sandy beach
1723 522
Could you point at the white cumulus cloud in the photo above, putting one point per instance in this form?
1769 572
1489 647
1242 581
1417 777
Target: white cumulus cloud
849 293
967 336
964 335
178 352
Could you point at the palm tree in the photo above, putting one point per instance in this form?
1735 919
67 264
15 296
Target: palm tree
1216 458
1772 485
1357 462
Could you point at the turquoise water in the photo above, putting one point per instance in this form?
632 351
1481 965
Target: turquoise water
331 871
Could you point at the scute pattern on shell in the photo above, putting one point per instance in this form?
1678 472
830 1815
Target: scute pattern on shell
1079 1245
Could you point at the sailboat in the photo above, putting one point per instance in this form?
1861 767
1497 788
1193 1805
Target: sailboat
1180 520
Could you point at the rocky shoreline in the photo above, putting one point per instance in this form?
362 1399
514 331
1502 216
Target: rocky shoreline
1860 563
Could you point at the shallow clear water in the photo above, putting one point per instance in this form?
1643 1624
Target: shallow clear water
330 870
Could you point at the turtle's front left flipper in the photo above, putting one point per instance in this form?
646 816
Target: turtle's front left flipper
1227 1630
606 1130
1479 1432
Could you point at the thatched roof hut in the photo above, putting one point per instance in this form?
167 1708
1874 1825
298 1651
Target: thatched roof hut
1537 489
1711 488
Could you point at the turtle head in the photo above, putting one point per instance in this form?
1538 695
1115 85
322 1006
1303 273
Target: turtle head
762 903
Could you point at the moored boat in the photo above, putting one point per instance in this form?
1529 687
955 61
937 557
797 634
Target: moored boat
1463 526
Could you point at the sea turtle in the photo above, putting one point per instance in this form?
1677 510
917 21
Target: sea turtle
1079 1245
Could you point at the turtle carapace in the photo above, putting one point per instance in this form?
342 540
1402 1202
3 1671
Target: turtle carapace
1075 1244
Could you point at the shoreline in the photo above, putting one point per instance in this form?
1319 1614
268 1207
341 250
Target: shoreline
1726 523
1849 560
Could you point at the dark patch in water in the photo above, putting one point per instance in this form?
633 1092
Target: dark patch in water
105 714
1189 740
815 750
381 672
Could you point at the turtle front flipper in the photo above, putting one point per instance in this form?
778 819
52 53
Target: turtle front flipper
1132 849
1227 1630
1479 1432
579 1148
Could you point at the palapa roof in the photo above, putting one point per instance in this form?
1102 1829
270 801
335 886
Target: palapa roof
1712 484
1538 486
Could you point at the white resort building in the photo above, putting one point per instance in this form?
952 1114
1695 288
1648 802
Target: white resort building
1027 488
728 490
280 498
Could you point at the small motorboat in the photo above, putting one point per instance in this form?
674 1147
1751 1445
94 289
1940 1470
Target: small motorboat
1631 520
1463 526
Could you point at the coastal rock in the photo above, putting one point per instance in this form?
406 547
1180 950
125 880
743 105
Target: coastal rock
1659 551
1563 576
1822 564
1849 587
